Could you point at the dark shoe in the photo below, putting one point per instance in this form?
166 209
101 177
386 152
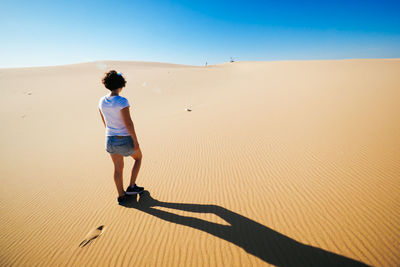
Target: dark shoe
133 190
122 199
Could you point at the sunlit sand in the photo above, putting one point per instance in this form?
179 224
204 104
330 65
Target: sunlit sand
289 163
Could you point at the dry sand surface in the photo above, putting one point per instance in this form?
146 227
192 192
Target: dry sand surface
291 163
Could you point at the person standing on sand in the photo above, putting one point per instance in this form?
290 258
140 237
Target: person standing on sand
121 140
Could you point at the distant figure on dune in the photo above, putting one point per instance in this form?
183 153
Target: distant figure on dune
121 140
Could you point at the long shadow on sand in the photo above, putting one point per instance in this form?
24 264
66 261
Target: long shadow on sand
258 240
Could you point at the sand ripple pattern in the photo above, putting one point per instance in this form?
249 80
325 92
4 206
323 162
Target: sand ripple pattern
278 163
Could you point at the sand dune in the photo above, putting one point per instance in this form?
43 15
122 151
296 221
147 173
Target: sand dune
292 163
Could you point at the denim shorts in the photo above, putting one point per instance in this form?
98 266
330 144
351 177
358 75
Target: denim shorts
122 145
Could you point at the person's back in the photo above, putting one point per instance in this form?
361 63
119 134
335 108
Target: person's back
121 140
111 107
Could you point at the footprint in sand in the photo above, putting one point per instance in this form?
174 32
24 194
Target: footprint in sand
92 235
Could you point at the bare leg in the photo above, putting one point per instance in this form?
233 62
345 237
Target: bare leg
137 156
118 172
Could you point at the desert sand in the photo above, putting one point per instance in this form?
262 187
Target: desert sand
287 163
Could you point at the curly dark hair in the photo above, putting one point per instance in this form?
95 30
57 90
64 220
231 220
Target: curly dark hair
113 80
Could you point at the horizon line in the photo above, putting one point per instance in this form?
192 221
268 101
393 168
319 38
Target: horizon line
170 63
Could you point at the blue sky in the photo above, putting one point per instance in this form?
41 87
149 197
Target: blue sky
42 33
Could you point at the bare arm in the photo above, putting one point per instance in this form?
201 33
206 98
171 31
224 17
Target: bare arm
101 114
126 116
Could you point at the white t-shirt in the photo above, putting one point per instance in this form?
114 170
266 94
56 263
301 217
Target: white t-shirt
110 107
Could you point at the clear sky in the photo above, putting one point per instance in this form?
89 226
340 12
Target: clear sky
40 32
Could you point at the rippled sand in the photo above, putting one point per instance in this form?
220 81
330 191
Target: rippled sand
292 163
